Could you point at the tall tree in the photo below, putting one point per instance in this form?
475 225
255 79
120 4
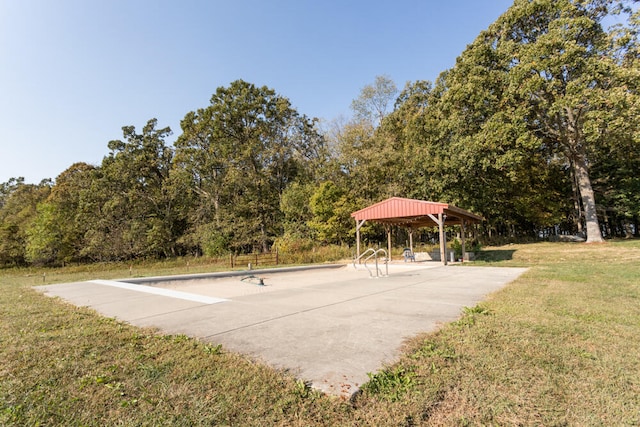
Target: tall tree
539 81
58 232
618 157
331 209
409 133
375 100
370 160
18 209
241 153
296 210
129 208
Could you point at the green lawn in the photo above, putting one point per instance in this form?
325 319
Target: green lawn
557 347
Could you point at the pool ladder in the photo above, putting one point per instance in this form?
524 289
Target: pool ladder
373 253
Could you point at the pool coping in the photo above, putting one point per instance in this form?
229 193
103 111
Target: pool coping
221 274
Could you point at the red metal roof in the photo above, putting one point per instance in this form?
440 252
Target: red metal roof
398 210
397 207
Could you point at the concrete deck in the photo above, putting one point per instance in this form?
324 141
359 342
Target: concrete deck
330 326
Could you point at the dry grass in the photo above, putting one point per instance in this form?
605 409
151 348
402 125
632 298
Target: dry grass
64 365
557 347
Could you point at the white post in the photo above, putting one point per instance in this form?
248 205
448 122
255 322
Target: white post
462 238
411 240
359 224
443 239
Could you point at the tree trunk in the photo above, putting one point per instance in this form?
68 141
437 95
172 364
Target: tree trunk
576 204
588 200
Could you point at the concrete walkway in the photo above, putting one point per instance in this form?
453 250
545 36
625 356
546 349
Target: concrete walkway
330 327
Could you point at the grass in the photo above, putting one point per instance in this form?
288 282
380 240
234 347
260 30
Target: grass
557 347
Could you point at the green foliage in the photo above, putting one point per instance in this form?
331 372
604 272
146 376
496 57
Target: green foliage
456 246
305 251
212 241
241 154
548 80
374 100
129 210
295 207
331 209
509 131
430 349
470 315
290 244
43 236
18 209
213 349
69 216
470 246
391 384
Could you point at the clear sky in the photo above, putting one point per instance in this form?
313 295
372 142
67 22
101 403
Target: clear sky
73 72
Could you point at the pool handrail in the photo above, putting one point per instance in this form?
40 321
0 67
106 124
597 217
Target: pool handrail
373 253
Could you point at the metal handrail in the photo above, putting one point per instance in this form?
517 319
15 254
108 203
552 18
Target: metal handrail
374 254
361 256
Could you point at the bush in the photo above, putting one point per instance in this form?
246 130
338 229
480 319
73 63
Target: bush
293 250
291 244
470 246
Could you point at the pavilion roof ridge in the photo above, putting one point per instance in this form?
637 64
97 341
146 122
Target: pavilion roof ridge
414 201
390 200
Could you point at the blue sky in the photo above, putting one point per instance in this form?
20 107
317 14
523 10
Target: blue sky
73 72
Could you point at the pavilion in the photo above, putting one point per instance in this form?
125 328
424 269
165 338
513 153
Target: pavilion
414 214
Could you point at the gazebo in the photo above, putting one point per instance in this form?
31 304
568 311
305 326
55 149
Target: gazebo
414 214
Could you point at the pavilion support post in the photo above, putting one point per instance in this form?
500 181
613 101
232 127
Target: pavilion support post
357 241
411 240
463 232
389 242
443 239
359 225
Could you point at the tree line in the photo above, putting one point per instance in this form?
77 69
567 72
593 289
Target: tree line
536 128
